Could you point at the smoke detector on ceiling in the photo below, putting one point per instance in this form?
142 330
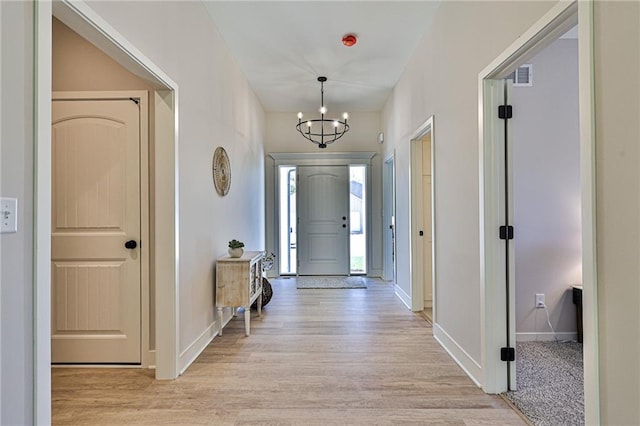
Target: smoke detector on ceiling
349 39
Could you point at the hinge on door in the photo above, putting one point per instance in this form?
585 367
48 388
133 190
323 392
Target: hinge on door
506 232
505 111
507 354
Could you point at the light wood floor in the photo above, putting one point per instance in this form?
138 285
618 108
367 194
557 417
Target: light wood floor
316 357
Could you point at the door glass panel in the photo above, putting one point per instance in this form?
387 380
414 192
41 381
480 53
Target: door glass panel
287 199
358 219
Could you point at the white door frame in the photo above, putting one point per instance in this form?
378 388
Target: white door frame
416 243
310 159
554 23
83 20
388 212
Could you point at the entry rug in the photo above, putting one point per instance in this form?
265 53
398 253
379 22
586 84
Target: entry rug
330 282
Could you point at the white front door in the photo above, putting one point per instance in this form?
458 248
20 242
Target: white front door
323 220
96 282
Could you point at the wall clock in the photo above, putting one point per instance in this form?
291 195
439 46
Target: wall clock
221 171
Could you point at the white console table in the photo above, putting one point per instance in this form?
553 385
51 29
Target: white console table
239 284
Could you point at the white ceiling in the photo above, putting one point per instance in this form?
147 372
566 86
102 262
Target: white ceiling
282 47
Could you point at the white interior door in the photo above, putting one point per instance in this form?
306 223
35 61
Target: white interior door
323 220
96 282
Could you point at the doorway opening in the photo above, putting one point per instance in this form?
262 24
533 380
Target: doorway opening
388 220
499 232
356 221
422 236
321 208
544 196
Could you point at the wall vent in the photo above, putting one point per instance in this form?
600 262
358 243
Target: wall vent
522 76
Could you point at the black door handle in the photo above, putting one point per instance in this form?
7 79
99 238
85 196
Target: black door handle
131 244
344 218
344 226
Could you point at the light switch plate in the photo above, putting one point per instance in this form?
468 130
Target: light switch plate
8 215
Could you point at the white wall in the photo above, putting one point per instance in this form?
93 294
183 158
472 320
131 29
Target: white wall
16 180
216 108
441 80
282 136
546 188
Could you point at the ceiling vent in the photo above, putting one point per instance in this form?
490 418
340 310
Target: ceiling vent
522 76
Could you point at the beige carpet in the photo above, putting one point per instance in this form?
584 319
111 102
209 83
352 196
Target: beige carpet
330 282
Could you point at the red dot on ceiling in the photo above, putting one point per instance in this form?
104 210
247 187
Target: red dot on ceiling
349 40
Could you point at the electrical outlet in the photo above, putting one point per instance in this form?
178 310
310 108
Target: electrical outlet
539 300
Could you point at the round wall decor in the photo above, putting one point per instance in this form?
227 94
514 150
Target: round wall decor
221 171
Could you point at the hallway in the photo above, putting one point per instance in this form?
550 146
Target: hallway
315 357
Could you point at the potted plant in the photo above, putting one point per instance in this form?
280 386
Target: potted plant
236 248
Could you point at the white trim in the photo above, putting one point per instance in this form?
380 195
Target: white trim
388 211
200 344
459 355
320 158
416 271
312 159
374 272
434 286
403 296
82 19
558 20
42 215
167 234
586 67
546 336
416 207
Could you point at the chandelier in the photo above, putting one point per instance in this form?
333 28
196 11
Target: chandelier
322 131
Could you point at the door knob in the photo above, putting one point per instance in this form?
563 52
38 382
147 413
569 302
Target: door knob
131 244
344 218
344 226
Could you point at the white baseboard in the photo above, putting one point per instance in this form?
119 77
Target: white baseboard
404 297
375 273
150 359
546 337
194 349
459 355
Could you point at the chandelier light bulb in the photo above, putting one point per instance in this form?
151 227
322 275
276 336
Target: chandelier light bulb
300 115
345 115
323 109
335 123
308 124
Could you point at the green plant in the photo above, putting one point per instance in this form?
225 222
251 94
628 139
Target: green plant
235 244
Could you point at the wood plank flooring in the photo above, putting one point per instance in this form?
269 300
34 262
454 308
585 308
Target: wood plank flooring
315 357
